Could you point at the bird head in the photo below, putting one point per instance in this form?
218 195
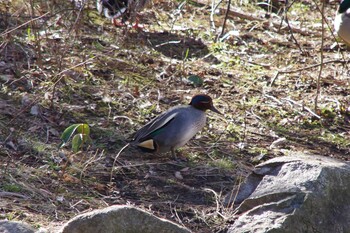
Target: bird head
203 102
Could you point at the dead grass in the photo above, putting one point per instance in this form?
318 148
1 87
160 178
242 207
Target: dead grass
75 67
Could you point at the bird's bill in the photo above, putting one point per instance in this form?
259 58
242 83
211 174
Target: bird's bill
215 110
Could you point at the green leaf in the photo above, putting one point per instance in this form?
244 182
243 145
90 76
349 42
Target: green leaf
83 129
187 53
196 80
98 45
62 144
68 132
77 141
30 35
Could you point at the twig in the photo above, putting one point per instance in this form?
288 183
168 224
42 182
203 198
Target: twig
59 79
72 67
115 159
267 66
306 68
179 9
23 24
266 23
277 143
53 90
168 42
212 23
214 144
274 98
178 217
146 164
226 16
302 106
292 34
235 193
217 198
321 66
293 102
11 194
330 29
245 122
212 13
89 162
286 9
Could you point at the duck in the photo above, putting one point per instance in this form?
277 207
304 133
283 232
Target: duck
173 128
342 21
124 9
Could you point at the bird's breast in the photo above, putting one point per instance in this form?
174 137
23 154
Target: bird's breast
186 127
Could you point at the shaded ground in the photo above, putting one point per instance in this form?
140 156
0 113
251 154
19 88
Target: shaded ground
72 66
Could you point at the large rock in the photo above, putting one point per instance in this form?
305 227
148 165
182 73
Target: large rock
294 194
120 219
15 227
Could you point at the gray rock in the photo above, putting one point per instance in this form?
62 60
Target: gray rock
296 193
120 219
15 227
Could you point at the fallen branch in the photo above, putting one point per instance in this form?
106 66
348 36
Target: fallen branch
267 23
306 68
302 106
11 194
23 24
226 17
212 13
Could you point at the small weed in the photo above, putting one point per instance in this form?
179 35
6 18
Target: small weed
336 139
223 164
12 188
311 124
81 134
300 8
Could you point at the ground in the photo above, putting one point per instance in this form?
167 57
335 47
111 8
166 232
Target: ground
62 64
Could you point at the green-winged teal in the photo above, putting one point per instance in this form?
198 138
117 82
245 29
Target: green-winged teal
342 21
174 127
124 9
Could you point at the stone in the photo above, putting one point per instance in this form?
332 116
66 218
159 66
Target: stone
120 219
15 227
298 193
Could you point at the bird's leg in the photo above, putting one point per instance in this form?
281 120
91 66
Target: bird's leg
136 25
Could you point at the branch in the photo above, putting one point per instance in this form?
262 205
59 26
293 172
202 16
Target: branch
306 68
233 13
5 33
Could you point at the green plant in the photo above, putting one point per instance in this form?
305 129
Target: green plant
11 188
82 135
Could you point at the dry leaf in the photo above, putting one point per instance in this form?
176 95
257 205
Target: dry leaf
70 179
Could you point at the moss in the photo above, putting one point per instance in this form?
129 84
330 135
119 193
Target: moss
12 188
334 138
223 164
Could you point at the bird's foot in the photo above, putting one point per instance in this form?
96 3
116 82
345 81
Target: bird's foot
138 27
118 24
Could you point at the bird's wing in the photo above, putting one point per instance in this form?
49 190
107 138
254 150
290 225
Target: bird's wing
155 126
